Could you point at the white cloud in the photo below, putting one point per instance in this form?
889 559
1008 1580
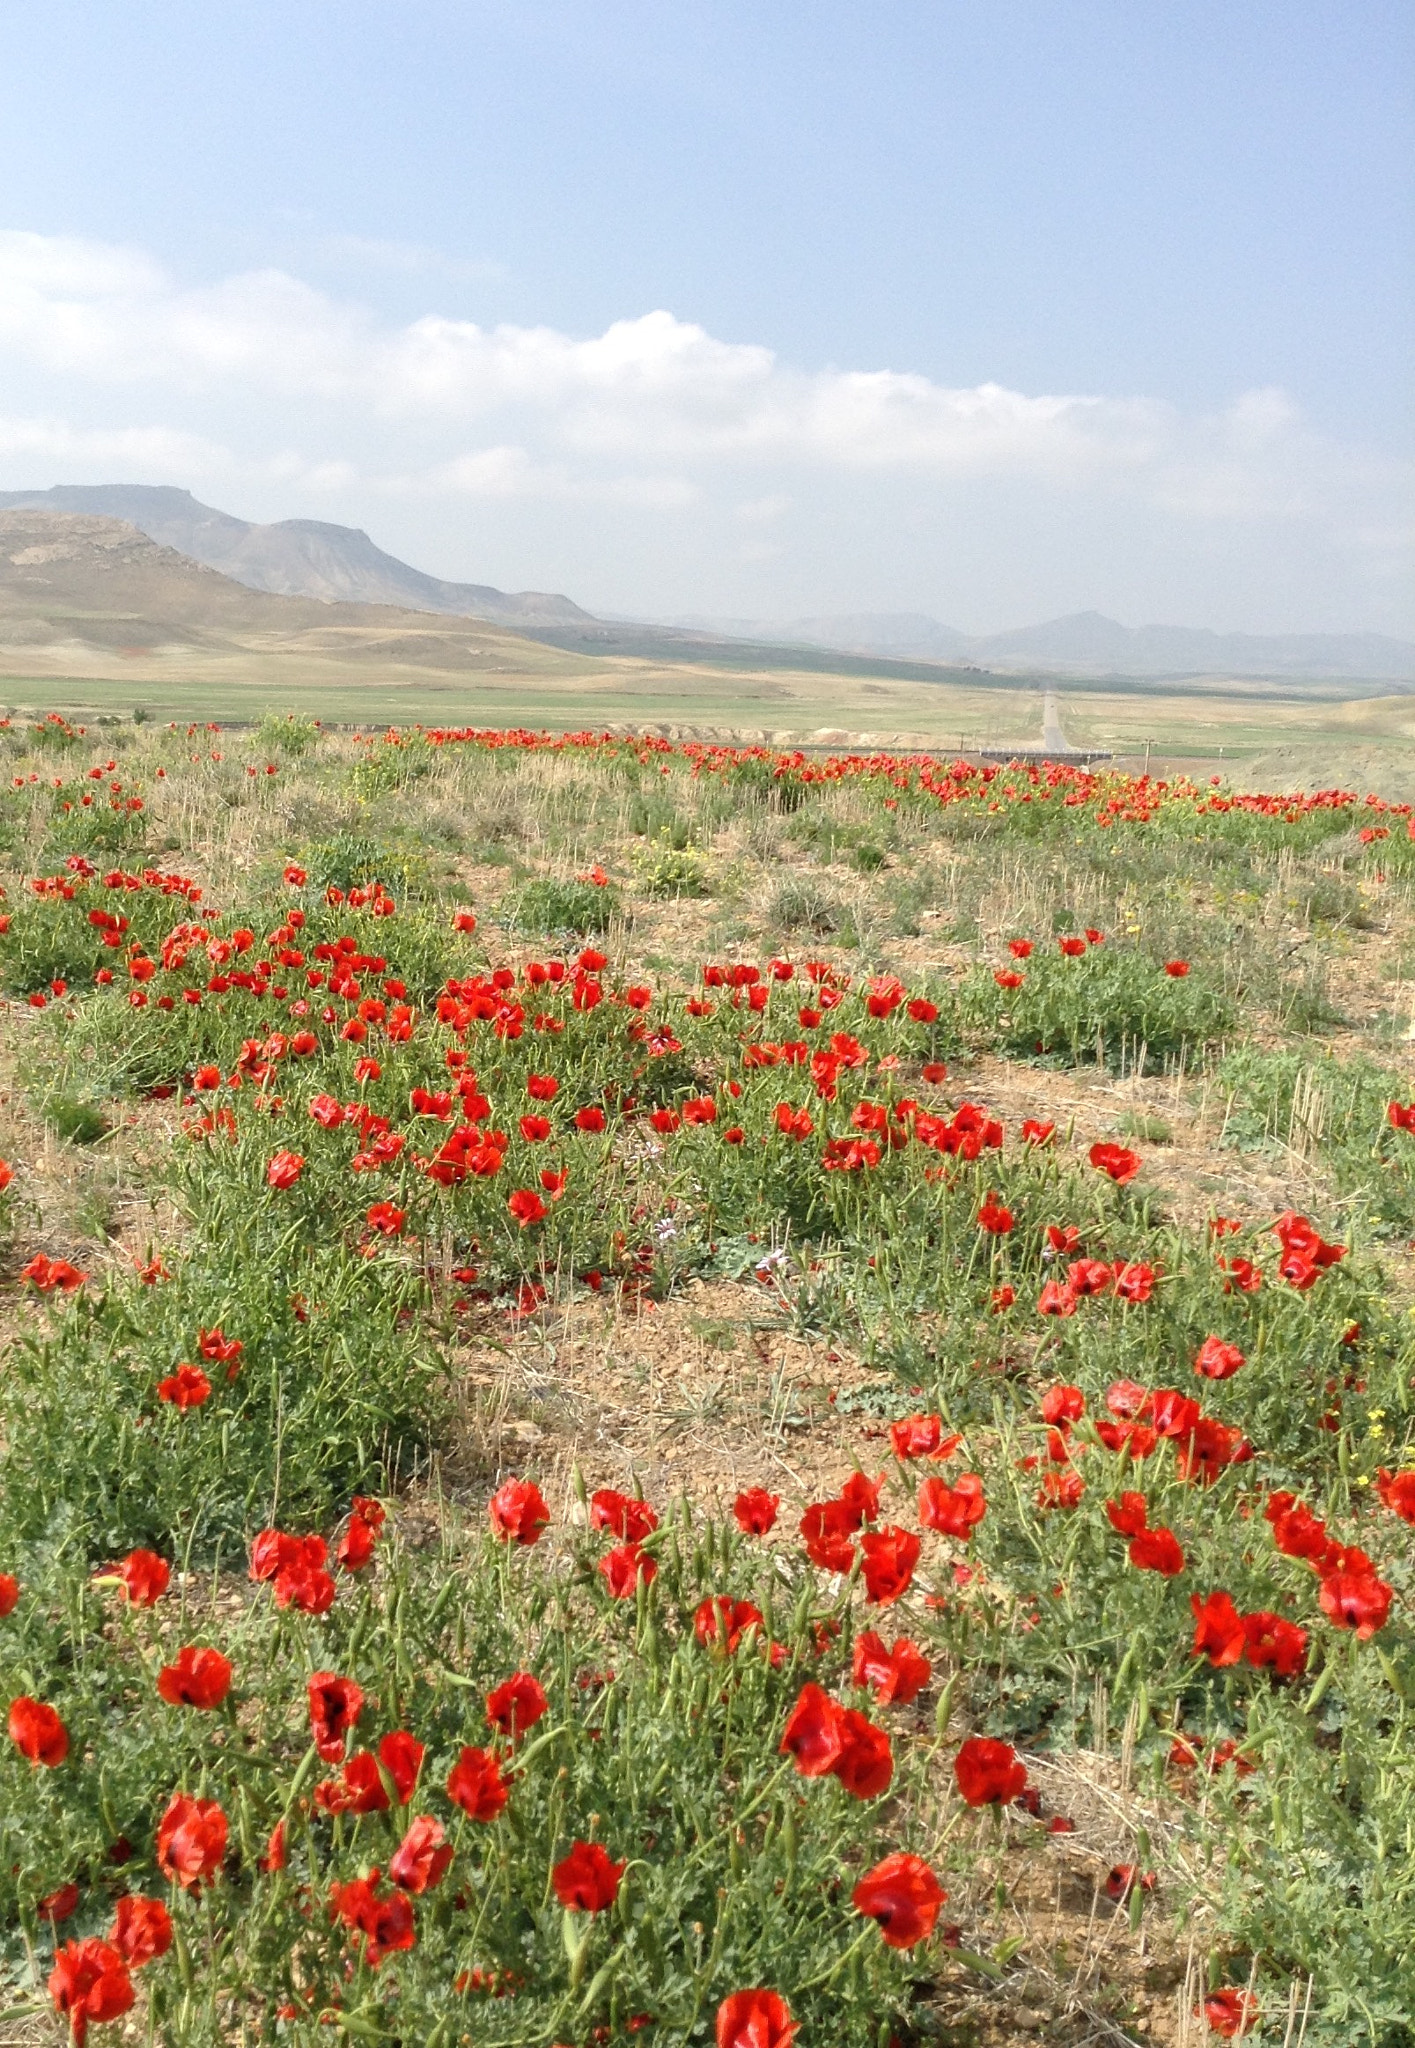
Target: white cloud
261 379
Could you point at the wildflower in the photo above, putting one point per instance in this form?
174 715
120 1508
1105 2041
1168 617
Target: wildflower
814 1734
952 1510
1020 949
518 1512
903 1894
1397 1493
1001 1299
1275 1644
526 1207
890 1556
476 1785
755 2019
191 1840
623 1567
420 1861
9 1593
37 1732
335 1706
1056 1299
754 1510
628 1518
722 1619
143 1576
865 1765
1156 1550
200 1678
1008 978
897 1676
1124 1878
994 1218
1062 1405
356 1545
89 1982
988 1772
1230 2012
1217 1360
516 1704
187 1387
587 1880
141 1930
1073 948
46 1274
1355 1596
591 1118
386 1219
1115 1161
284 1169
384 1923
1035 1133
920 1436
1218 1629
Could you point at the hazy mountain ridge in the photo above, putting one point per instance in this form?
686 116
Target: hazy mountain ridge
315 559
1086 643
293 557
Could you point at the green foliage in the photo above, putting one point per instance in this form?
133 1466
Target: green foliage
290 734
549 905
660 870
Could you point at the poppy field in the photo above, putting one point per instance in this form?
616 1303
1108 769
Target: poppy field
676 1393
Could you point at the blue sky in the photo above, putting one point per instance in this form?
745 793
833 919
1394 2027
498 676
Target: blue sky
989 311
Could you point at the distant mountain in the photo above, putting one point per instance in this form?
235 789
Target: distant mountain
294 557
311 558
1086 643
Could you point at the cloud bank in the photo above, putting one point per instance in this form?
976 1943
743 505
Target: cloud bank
677 470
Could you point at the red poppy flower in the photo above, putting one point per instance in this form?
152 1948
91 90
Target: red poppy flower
897 1676
199 1678
1134 1281
934 1072
516 1704
1217 1360
1355 1596
1129 1515
754 1510
865 1765
1157 1550
335 1706
476 1785
9 1593
187 1387
386 1219
401 1755
1115 1161
1230 2013
1397 1493
890 1556
860 1497
988 1772
1086 1277
141 1930
591 1118
1122 1880
826 1529
1072 947
1056 1299
385 1923
191 1840
89 1982
628 1518
284 1169
755 2019
1062 1405
792 1122
518 1512
1218 1629
1275 1644
542 1087
1176 969
1020 949
1297 1532
356 1545
1008 977
623 1567
994 1218
815 1733
37 1732
420 1861
587 1880
46 1274
903 1894
953 1510
526 1207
